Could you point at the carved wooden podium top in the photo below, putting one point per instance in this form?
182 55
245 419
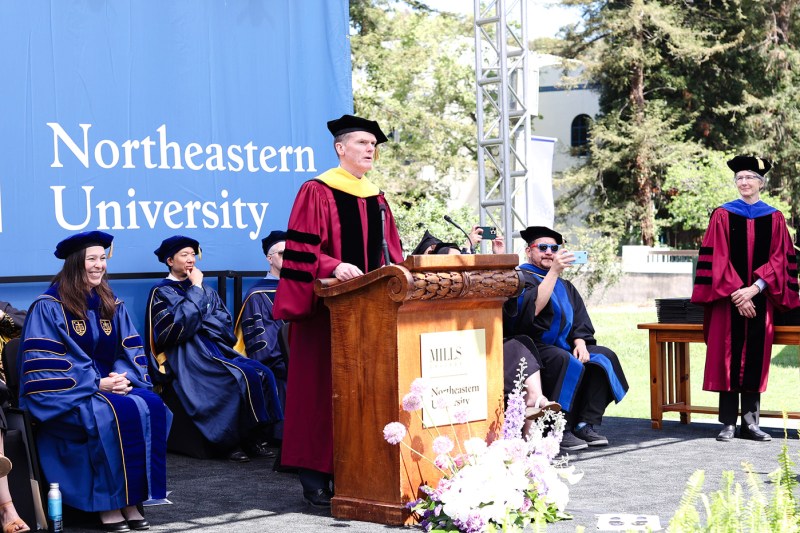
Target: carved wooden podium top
438 277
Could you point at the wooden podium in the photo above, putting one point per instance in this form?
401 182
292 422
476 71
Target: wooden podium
376 323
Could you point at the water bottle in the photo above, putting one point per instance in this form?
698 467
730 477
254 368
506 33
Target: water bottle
54 509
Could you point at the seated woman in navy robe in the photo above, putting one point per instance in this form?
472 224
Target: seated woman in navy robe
231 399
102 432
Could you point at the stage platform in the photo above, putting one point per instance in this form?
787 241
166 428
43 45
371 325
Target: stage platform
643 471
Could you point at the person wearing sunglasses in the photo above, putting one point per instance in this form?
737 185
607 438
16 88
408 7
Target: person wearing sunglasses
746 269
258 333
577 373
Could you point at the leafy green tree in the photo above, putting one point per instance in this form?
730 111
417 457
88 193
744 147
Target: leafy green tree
413 71
770 108
632 50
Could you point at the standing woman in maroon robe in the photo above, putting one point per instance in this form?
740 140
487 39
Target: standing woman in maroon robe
746 270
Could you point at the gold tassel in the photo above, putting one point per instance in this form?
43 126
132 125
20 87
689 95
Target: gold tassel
110 250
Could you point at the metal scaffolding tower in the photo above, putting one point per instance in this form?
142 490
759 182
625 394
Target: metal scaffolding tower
504 123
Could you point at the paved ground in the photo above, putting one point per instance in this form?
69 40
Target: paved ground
643 471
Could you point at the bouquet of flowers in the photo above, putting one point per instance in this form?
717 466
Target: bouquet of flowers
505 485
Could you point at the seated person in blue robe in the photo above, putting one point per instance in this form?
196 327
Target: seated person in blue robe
101 431
258 333
231 399
582 376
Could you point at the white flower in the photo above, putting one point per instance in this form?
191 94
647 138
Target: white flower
442 444
475 446
569 474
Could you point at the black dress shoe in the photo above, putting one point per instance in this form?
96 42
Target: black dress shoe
260 450
727 433
122 525
139 525
238 456
753 432
317 498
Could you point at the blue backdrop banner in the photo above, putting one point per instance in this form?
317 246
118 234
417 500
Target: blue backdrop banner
146 119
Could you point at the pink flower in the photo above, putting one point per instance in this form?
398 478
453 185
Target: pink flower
441 402
412 402
419 386
442 461
461 414
394 432
442 444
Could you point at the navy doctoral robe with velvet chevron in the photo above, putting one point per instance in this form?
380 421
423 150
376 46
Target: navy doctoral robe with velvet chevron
743 243
257 331
107 451
258 336
326 227
189 335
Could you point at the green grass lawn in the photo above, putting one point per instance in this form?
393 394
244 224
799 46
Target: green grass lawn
616 328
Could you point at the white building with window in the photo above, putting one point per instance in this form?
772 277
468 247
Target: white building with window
563 111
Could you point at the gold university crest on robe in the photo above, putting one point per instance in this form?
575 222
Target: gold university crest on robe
79 326
106 325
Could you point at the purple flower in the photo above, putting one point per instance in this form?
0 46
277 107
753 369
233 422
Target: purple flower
441 402
526 504
394 432
412 402
460 414
442 461
475 523
419 386
514 416
442 444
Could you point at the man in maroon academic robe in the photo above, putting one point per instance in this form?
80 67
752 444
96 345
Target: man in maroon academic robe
335 230
746 270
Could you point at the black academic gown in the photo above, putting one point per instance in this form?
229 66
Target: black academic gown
584 390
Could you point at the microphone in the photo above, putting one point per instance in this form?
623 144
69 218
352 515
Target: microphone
451 221
384 245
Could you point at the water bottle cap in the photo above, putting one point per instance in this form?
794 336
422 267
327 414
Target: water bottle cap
53 485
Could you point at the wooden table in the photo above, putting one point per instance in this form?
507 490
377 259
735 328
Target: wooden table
670 384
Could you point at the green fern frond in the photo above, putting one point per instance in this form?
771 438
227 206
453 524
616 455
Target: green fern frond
686 518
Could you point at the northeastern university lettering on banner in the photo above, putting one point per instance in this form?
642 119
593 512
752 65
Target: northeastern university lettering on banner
146 118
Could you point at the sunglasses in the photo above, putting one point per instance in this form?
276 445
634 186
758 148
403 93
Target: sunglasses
544 247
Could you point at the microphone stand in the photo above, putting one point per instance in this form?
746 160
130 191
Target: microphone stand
384 245
451 221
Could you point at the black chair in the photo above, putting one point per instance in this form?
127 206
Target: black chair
20 447
184 437
9 358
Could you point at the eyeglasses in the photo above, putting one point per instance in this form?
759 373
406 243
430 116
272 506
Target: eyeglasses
748 177
277 253
544 247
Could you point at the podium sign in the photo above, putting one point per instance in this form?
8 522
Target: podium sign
454 365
